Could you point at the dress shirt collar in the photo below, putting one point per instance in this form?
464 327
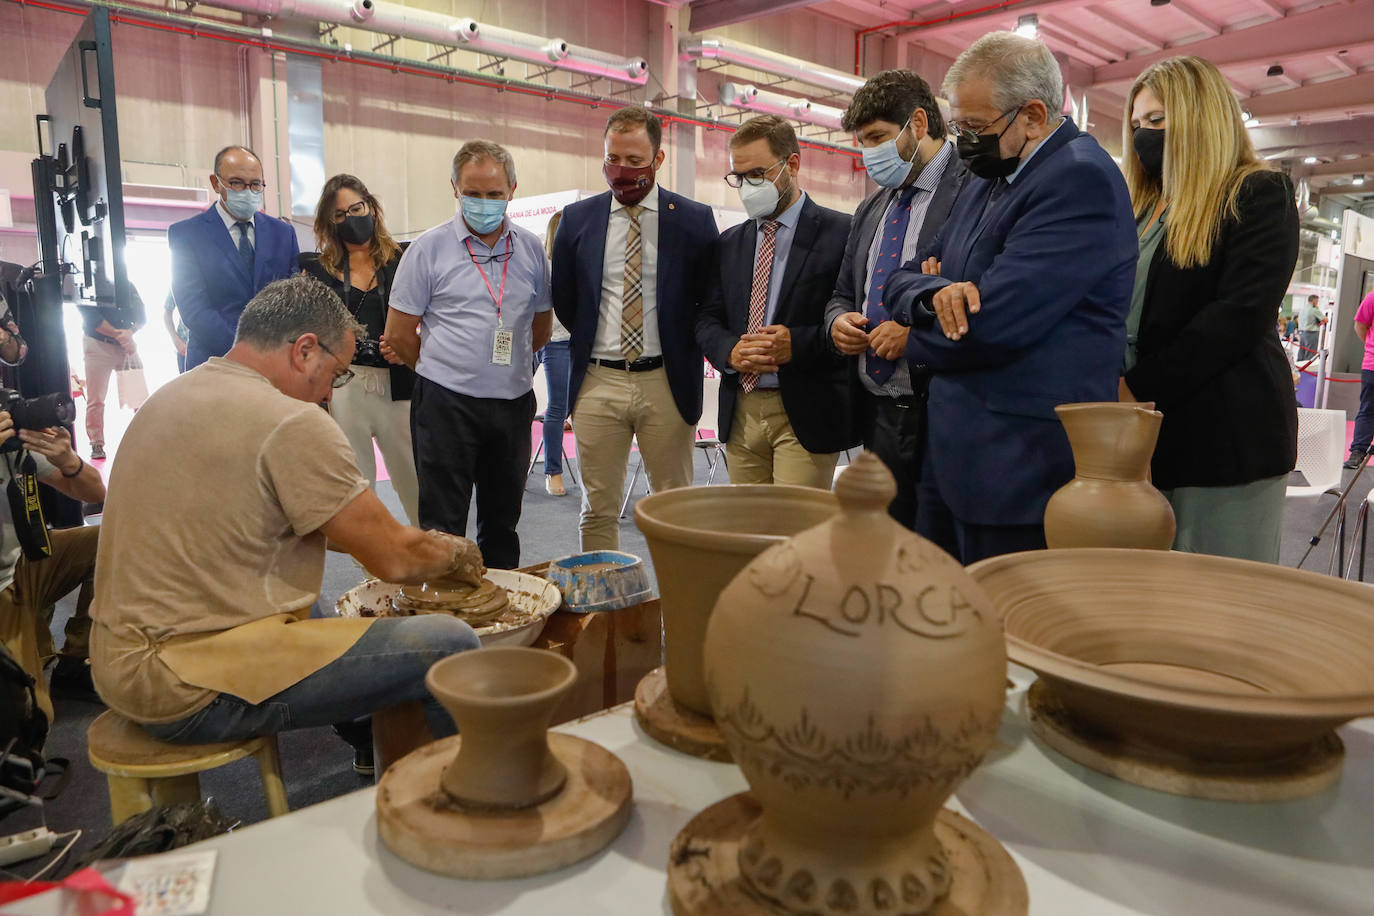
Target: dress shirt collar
934 170
788 217
460 228
1039 146
650 201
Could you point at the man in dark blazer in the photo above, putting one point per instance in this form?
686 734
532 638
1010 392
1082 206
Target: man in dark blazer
1028 309
899 125
629 273
785 395
223 256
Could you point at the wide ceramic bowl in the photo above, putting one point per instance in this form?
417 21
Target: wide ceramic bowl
532 600
1211 658
600 580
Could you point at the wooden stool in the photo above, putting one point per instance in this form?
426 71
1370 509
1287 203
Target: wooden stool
143 771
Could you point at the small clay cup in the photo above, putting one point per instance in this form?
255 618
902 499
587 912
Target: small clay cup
502 699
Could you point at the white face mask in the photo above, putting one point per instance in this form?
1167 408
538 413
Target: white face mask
761 200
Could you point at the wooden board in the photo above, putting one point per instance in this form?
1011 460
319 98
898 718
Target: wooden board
667 722
1282 780
420 823
704 878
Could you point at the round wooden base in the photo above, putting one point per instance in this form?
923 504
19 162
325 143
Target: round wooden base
1291 777
676 726
419 822
704 878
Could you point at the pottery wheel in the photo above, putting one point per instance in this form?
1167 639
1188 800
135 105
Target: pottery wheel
1292 777
475 605
704 878
420 823
676 726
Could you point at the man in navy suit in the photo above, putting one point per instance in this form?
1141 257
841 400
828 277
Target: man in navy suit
222 257
785 396
897 121
1028 309
629 272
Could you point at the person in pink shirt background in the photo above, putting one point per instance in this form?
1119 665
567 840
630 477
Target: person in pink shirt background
1364 420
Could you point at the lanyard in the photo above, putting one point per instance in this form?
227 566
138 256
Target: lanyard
505 267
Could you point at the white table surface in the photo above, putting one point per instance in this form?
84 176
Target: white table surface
1087 844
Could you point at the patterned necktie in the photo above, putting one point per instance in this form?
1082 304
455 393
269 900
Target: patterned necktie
889 259
245 246
632 313
758 296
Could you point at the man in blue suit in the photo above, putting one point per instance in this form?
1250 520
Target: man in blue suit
630 269
223 256
1028 308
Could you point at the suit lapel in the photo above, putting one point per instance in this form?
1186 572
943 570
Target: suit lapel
942 202
667 242
260 232
742 265
595 256
870 229
803 238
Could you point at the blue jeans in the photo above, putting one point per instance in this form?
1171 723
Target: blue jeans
1364 420
384 668
557 359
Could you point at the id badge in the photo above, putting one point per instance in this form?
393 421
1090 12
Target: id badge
502 347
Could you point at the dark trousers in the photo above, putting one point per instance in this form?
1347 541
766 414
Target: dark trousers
965 541
1364 420
463 442
894 429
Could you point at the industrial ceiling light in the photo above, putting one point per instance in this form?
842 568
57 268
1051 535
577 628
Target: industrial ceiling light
1252 122
1274 70
1359 179
1028 25
1310 160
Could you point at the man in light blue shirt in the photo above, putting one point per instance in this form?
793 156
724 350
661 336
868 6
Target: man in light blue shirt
477 289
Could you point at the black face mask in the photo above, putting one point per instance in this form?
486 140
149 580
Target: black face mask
983 153
355 230
1149 149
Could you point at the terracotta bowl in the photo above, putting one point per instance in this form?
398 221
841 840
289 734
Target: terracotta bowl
700 538
1210 658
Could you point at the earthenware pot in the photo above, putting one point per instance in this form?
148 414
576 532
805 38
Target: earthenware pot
700 537
1110 502
858 676
502 700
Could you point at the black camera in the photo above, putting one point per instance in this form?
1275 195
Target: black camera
368 352
55 409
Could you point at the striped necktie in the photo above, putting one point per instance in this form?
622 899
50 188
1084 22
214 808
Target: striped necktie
632 312
758 296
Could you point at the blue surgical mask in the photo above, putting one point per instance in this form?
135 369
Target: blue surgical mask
885 164
242 204
482 215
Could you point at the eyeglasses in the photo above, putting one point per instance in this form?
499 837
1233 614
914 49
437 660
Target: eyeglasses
965 131
238 184
499 257
753 177
340 378
358 209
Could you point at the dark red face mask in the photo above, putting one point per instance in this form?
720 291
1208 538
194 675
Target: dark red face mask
629 183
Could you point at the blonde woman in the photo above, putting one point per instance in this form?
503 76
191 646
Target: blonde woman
1218 233
358 260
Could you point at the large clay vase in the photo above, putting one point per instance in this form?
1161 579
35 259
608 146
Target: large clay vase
700 538
1110 502
502 700
858 676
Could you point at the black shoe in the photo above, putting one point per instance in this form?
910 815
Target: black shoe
1354 461
363 763
71 678
358 734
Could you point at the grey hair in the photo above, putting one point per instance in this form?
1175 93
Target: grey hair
285 309
1020 69
475 150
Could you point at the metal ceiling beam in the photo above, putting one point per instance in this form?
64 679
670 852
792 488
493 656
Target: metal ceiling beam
1058 41
1084 40
1339 95
962 15
1318 31
1341 64
1114 21
1192 15
1364 165
1330 138
712 14
1270 7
